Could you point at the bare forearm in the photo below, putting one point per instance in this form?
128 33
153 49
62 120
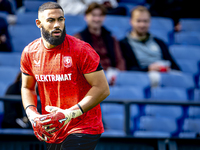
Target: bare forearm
29 97
94 96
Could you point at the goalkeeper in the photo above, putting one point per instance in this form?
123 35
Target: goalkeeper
71 84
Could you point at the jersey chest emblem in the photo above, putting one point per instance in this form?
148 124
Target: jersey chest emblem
67 61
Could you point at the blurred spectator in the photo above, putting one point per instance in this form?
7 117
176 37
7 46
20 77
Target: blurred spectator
75 7
6 6
141 50
13 114
5 45
167 8
100 38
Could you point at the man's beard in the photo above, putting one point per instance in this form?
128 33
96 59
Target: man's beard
53 40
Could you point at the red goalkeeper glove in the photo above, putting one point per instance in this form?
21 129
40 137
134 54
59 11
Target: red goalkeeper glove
36 120
59 118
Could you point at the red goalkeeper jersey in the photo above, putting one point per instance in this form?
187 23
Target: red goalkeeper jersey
59 73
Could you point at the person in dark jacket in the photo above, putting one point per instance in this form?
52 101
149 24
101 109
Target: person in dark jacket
5 43
141 50
101 39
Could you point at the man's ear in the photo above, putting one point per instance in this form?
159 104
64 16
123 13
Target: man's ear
38 23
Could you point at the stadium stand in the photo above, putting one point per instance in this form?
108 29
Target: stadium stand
190 128
10 59
179 80
133 78
22 35
190 24
187 38
126 93
169 94
113 117
186 52
150 126
26 18
7 76
33 5
146 120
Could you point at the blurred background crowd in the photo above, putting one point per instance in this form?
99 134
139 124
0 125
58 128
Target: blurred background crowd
149 49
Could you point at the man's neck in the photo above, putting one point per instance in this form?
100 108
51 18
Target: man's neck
95 31
137 36
47 44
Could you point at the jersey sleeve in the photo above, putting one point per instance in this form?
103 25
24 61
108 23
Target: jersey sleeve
25 62
89 59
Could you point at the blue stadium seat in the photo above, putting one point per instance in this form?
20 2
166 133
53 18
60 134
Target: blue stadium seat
133 78
22 35
126 93
187 38
190 128
71 30
75 21
161 34
113 117
169 111
8 75
33 5
194 112
117 25
27 18
190 24
161 23
187 52
178 80
134 114
156 126
169 93
3 88
10 59
188 66
151 134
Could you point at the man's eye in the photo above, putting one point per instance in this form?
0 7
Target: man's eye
50 20
61 19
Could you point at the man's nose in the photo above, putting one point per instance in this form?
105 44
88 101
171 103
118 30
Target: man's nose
57 24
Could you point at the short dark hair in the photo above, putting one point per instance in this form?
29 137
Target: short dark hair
140 9
49 5
95 5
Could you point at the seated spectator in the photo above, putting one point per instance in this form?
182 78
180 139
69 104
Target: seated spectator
100 38
5 45
141 50
76 7
14 115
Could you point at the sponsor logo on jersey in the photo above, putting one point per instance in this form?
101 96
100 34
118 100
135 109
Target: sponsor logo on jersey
37 63
51 78
67 61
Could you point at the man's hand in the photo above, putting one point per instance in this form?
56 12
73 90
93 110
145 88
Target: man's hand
36 120
58 118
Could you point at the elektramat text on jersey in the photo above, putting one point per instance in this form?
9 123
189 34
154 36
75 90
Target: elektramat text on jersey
57 77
